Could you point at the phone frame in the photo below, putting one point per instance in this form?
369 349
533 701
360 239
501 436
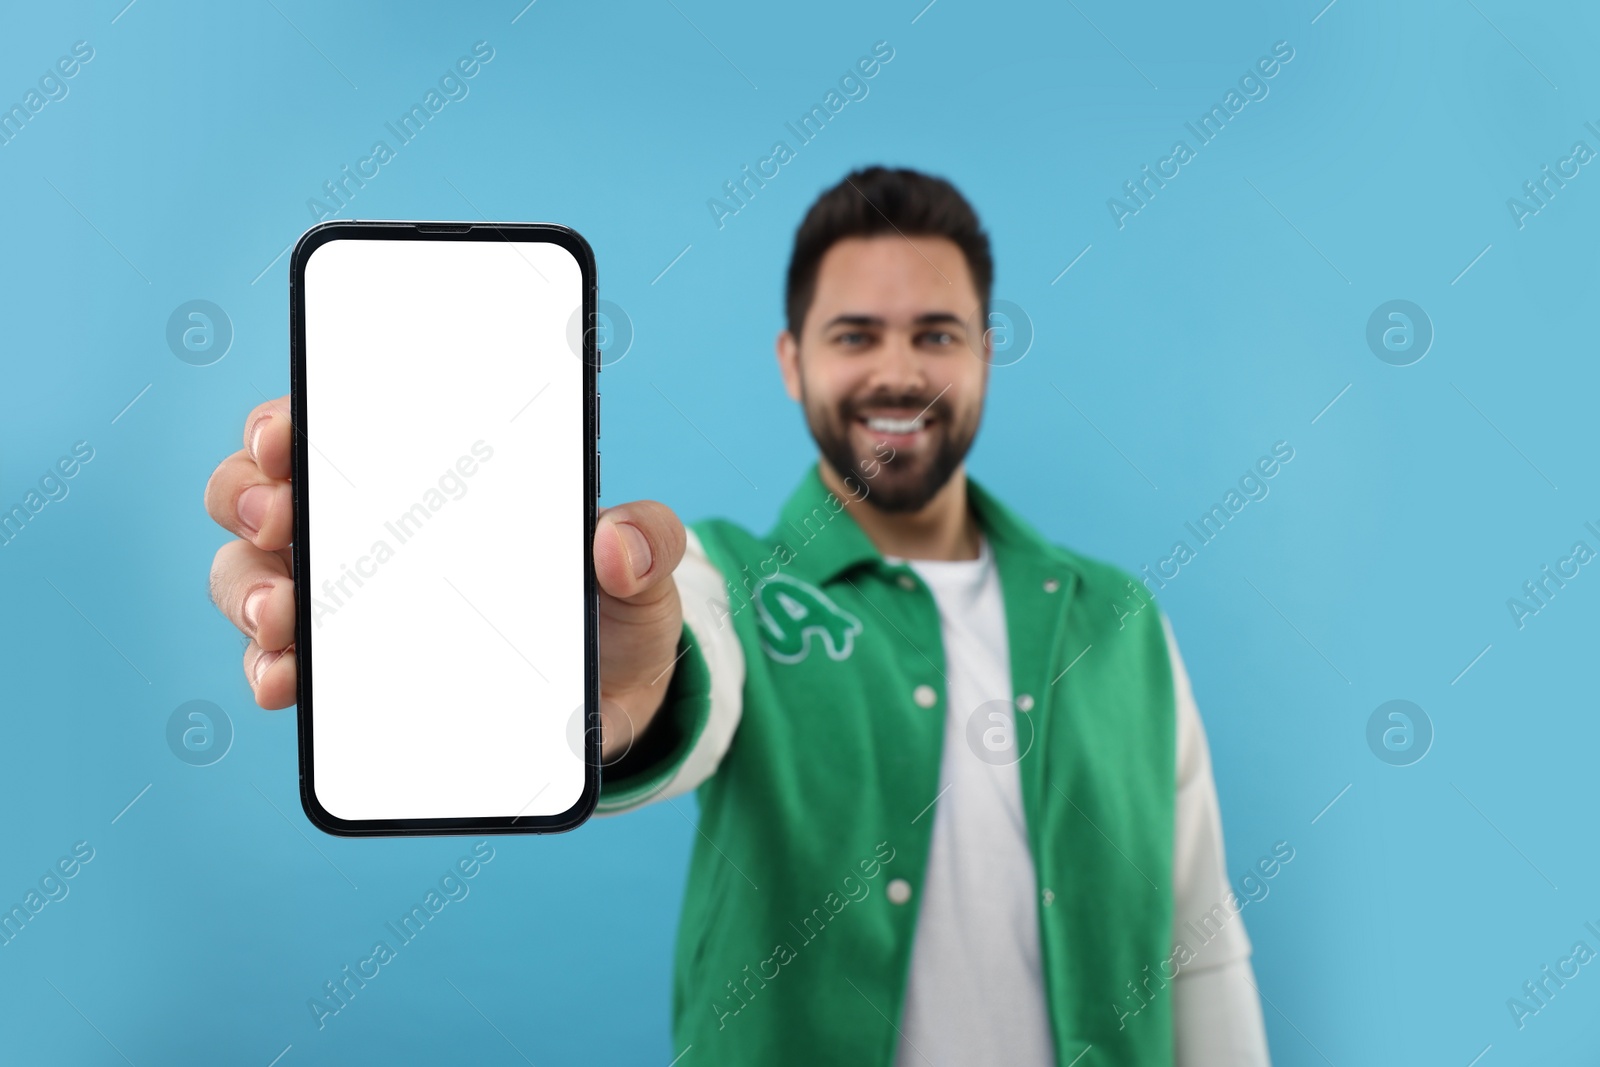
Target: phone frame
384 230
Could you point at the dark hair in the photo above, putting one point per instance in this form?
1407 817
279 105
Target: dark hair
882 200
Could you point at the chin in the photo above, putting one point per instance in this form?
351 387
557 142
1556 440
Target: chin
899 488
892 479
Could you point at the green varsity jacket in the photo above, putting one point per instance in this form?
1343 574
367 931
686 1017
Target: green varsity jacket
795 936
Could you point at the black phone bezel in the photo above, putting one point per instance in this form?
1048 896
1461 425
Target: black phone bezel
381 230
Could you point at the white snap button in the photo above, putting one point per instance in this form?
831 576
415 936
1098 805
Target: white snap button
907 582
925 696
1025 702
1049 897
1051 585
898 891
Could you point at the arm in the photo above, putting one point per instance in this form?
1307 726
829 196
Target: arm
1216 1010
696 721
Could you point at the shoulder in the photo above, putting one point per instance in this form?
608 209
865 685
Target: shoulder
1111 598
715 534
1095 581
1095 575
729 546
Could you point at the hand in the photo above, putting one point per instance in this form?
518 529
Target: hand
252 579
637 546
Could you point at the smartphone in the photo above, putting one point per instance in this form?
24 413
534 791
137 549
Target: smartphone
445 477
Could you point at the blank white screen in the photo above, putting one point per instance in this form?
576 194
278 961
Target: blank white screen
446 458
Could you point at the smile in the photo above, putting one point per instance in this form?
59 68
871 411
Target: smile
885 424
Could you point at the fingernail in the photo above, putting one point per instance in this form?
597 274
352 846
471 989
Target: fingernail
638 548
252 607
263 661
253 507
255 436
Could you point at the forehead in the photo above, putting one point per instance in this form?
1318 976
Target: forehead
893 277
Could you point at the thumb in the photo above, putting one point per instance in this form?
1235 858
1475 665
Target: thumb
637 546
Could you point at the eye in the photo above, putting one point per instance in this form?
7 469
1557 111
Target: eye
851 338
940 338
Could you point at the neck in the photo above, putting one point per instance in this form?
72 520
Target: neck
943 528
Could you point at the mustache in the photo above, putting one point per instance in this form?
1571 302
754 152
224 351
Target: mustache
930 405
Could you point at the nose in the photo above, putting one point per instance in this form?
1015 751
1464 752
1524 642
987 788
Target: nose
898 368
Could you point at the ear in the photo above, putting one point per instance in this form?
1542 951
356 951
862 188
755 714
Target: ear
788 350
988 359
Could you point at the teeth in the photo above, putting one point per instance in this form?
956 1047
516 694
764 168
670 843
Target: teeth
887 425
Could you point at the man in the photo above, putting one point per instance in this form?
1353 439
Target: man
956 803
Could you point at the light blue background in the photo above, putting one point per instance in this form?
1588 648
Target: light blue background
1224 317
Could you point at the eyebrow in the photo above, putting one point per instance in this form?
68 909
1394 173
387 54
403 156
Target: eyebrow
930 318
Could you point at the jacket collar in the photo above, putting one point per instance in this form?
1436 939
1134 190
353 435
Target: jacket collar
825 540
1039 581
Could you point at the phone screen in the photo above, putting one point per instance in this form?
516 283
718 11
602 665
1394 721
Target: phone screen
445 510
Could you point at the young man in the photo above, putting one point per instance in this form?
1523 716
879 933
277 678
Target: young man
956 803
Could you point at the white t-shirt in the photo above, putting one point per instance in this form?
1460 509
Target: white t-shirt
976 991
976 985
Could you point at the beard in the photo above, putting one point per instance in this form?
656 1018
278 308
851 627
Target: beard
907 480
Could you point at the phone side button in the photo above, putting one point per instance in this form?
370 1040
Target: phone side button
597 475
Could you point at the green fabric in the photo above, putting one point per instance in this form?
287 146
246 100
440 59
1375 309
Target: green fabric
790 950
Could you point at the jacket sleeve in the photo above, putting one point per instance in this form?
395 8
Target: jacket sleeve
1216 1006
685 742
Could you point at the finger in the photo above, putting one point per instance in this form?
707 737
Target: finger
637 546
271 675
255 590
248 504
617 731
269 438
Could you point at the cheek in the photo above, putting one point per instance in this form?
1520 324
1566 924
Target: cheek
968 386
828 384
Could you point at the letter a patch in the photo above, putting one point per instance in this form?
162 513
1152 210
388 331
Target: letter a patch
792 611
